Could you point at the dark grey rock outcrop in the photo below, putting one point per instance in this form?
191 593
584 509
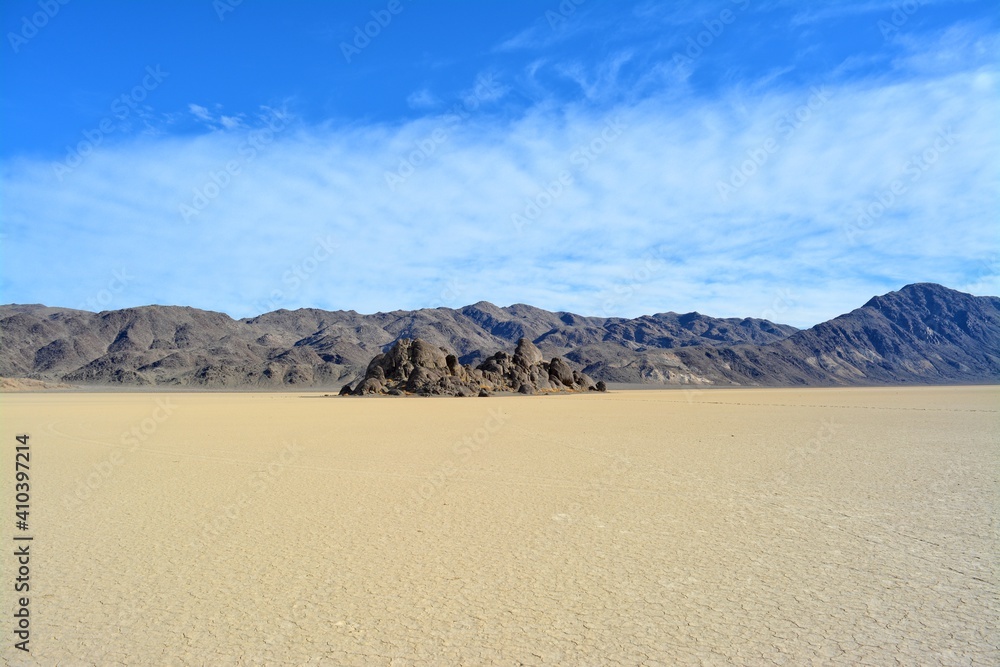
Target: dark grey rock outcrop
417 367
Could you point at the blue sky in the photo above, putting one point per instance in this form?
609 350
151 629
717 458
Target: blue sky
741 158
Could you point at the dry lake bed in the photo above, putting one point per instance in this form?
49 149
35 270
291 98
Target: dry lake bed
745 527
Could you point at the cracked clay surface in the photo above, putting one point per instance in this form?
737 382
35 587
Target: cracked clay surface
721 527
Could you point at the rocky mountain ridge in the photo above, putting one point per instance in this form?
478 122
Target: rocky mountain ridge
923 333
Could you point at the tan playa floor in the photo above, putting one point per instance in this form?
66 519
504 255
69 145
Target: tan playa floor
749 527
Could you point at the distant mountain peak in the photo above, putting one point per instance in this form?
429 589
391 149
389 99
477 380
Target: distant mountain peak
922 333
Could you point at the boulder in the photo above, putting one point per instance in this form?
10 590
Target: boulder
375 362
559 371
527 351
582 381
423 354
369 386
421 378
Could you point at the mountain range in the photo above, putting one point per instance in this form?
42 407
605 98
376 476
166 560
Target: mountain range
922 334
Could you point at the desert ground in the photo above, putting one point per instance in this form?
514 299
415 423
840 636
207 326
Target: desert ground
711 527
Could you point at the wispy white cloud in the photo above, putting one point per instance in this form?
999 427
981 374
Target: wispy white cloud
231 122
640 196
200 112
961 46
647 194
556 24
422 99
604 81
217 120
820 12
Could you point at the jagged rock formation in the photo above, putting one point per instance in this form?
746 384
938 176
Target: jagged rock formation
417 367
